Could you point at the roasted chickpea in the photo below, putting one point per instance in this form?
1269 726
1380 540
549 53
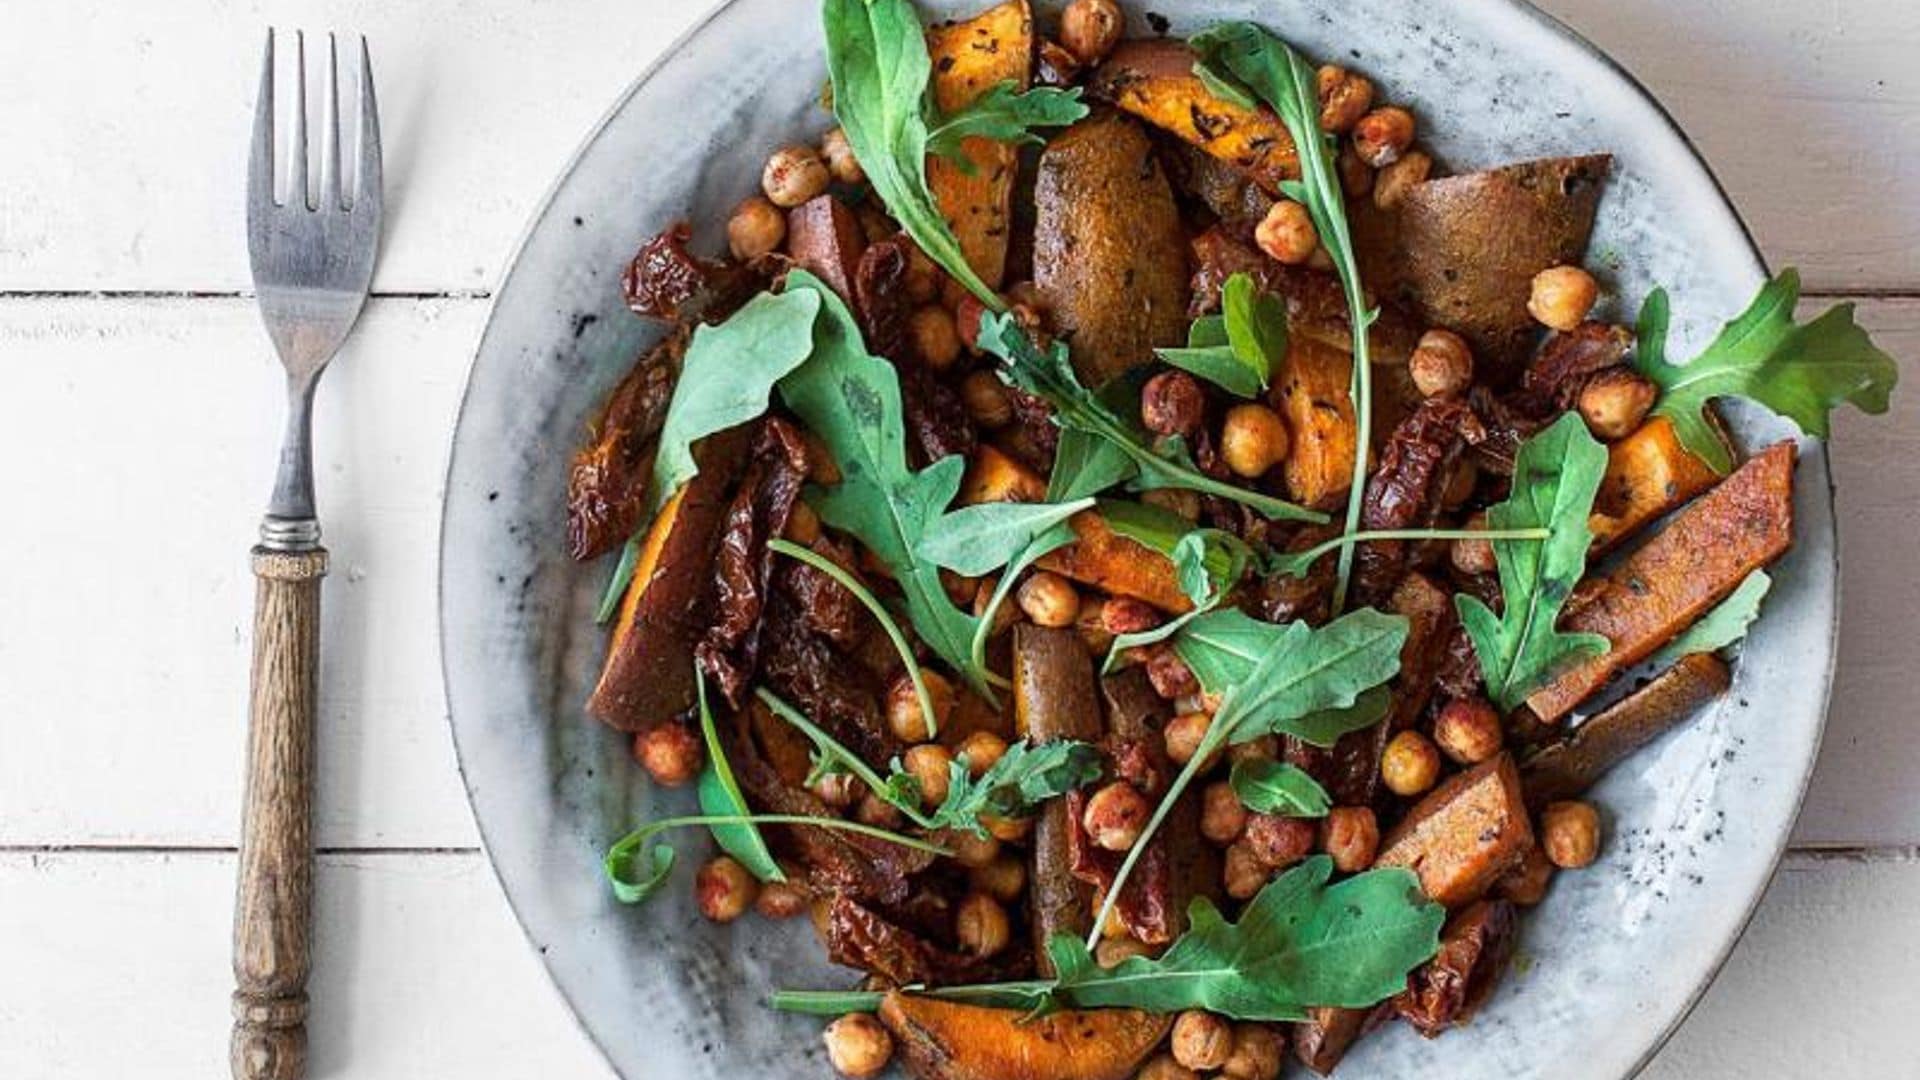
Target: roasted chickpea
1526 884
1356 176
1222 815
1345 97
1253 440
931 764
1091 28
905 715
878 812
1391 186
1241 872
1170 675
980 924
1287 234
1442 364
724 890
1049 599
1008 830
781 900
923 278
1563 296
982 749
1410 764
803 525
1115 815
1091 628
1260 748
1468 730
793 175
1277 841
970 849
1004 879
1172 403
1163 1067
756 228
1201 1040
985 398
671 753
1183 735
1474 556
1350 835
841 164
1112 952
1615 402
859 1046
935 337
1257 1049
1383 135
1570 834
1125 615
838 790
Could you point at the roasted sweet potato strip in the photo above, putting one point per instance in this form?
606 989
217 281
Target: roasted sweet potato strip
1054 699
944 1040
1648 474
1153 79
1567 768
971 57
1464 834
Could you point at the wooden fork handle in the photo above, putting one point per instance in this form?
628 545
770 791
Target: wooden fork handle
273 906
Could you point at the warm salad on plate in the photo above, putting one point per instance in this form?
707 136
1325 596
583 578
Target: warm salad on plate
1148 560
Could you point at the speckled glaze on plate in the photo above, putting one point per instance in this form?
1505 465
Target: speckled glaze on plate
1609 964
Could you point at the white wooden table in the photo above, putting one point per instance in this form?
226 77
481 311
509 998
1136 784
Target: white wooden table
138 411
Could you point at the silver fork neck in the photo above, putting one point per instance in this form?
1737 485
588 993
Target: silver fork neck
291 523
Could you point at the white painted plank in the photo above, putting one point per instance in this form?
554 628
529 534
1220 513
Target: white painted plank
135 117
117 966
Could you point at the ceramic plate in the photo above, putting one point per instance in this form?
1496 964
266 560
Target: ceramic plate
1610 964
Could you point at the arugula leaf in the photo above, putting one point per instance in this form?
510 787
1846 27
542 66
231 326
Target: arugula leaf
1266 786
1026 776
1555 477
719 795
1724 625
1801 371
976 540
633 884
1085 464
1049 374
1244 60
850 400
1007 114
1235 350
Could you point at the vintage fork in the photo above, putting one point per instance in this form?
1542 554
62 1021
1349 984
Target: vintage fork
312 265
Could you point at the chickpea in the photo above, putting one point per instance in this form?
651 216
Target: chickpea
1526 884
878 812
1615 402
1049 599
837 790
1257 1050
905 716
1201 1040
793 175
1391 186
1287 234
980 925
1008 830
1004 879
1115 815
781 900
932 765
1474 556
858 1046
1183 735
1125 615
970 849
724 890
1170 675
841 164
1092 629
982 749
1383 135
1253 440
1468 730
935 336
1242 873
756 228
1222 816
1350 835
1563 296
1260 748
1163 1067
1442 364
923 278
1410 764
1570 834
1172 403
1091 28
1277 841
671 753
985 398
1345 97
1356 176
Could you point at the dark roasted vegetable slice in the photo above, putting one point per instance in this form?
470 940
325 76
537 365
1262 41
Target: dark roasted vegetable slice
1053 696
1567 768
1446 991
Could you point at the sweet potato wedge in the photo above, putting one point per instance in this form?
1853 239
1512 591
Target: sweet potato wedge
994 476
1109 252
825 239
648 677
1472 244
1648 474
969 58
1464 834
944 1040
1117 564
1054 699
1153 78
1677 576
1567 768
1313 393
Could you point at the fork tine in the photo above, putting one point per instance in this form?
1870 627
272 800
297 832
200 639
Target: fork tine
367 198
330 134
297 190
260 185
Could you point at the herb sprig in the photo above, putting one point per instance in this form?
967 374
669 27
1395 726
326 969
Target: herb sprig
1236 349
